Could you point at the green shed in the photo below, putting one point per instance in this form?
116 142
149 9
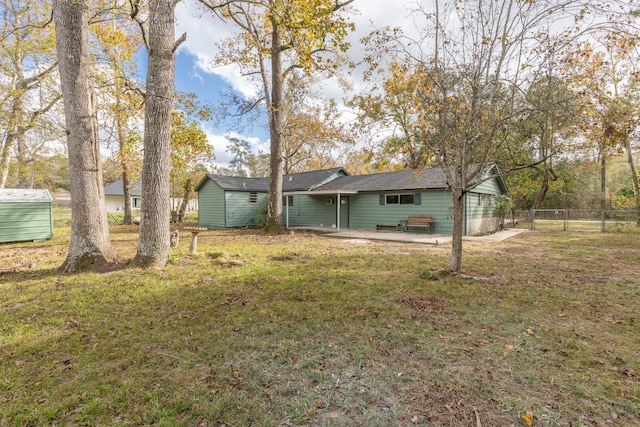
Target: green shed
25 214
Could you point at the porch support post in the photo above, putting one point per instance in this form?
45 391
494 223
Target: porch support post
286 204
338 212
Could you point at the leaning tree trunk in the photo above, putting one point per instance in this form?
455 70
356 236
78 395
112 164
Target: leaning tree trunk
153 242
89 246
544 188
274 209
122 142
185 200
455 263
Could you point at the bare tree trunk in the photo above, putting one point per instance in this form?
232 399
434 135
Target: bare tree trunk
274 210
455 263
90 245
603 178
634 177
185 200
10 139
542 192
126 191
25 179
153 242
5 159
126 185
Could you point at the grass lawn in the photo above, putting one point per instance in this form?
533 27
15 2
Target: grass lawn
301 329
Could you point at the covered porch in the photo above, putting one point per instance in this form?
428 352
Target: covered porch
338 202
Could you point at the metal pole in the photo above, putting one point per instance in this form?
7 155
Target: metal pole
338 212
286 204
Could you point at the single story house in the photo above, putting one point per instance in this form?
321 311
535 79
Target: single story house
332 198
232 201
25 214
114 197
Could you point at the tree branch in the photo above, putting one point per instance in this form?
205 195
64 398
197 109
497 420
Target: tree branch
135 10
178 42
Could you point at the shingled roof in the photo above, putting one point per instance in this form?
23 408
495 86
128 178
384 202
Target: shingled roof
16 195
388 181
303 181
115 189
337 180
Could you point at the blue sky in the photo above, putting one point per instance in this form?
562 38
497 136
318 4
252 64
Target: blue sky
210 87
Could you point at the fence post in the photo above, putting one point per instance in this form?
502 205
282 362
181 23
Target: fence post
532 219
566 219
602 220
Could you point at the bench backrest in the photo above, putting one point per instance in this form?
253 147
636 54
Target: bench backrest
419 220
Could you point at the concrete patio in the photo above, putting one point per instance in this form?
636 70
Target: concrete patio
397 236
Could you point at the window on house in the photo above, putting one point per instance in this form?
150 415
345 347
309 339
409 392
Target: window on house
253 197
485 199
406 199
399 199
289 201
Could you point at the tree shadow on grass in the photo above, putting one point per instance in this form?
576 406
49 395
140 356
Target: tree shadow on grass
26 273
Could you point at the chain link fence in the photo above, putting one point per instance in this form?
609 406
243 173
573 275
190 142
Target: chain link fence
575 220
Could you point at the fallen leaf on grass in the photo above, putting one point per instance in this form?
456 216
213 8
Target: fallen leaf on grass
528 418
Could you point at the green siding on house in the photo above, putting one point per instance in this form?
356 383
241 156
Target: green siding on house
488 187
211 206
365 210
311 211
481 214
242 213
22 221
225 202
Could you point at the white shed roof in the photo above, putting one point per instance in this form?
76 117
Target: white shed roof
16 195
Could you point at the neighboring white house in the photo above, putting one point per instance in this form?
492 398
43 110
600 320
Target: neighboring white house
114 197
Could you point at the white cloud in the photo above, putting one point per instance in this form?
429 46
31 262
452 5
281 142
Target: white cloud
195 75
220 143
203 32
231 74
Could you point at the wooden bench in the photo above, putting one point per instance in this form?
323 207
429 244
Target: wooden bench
395 225
419 221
